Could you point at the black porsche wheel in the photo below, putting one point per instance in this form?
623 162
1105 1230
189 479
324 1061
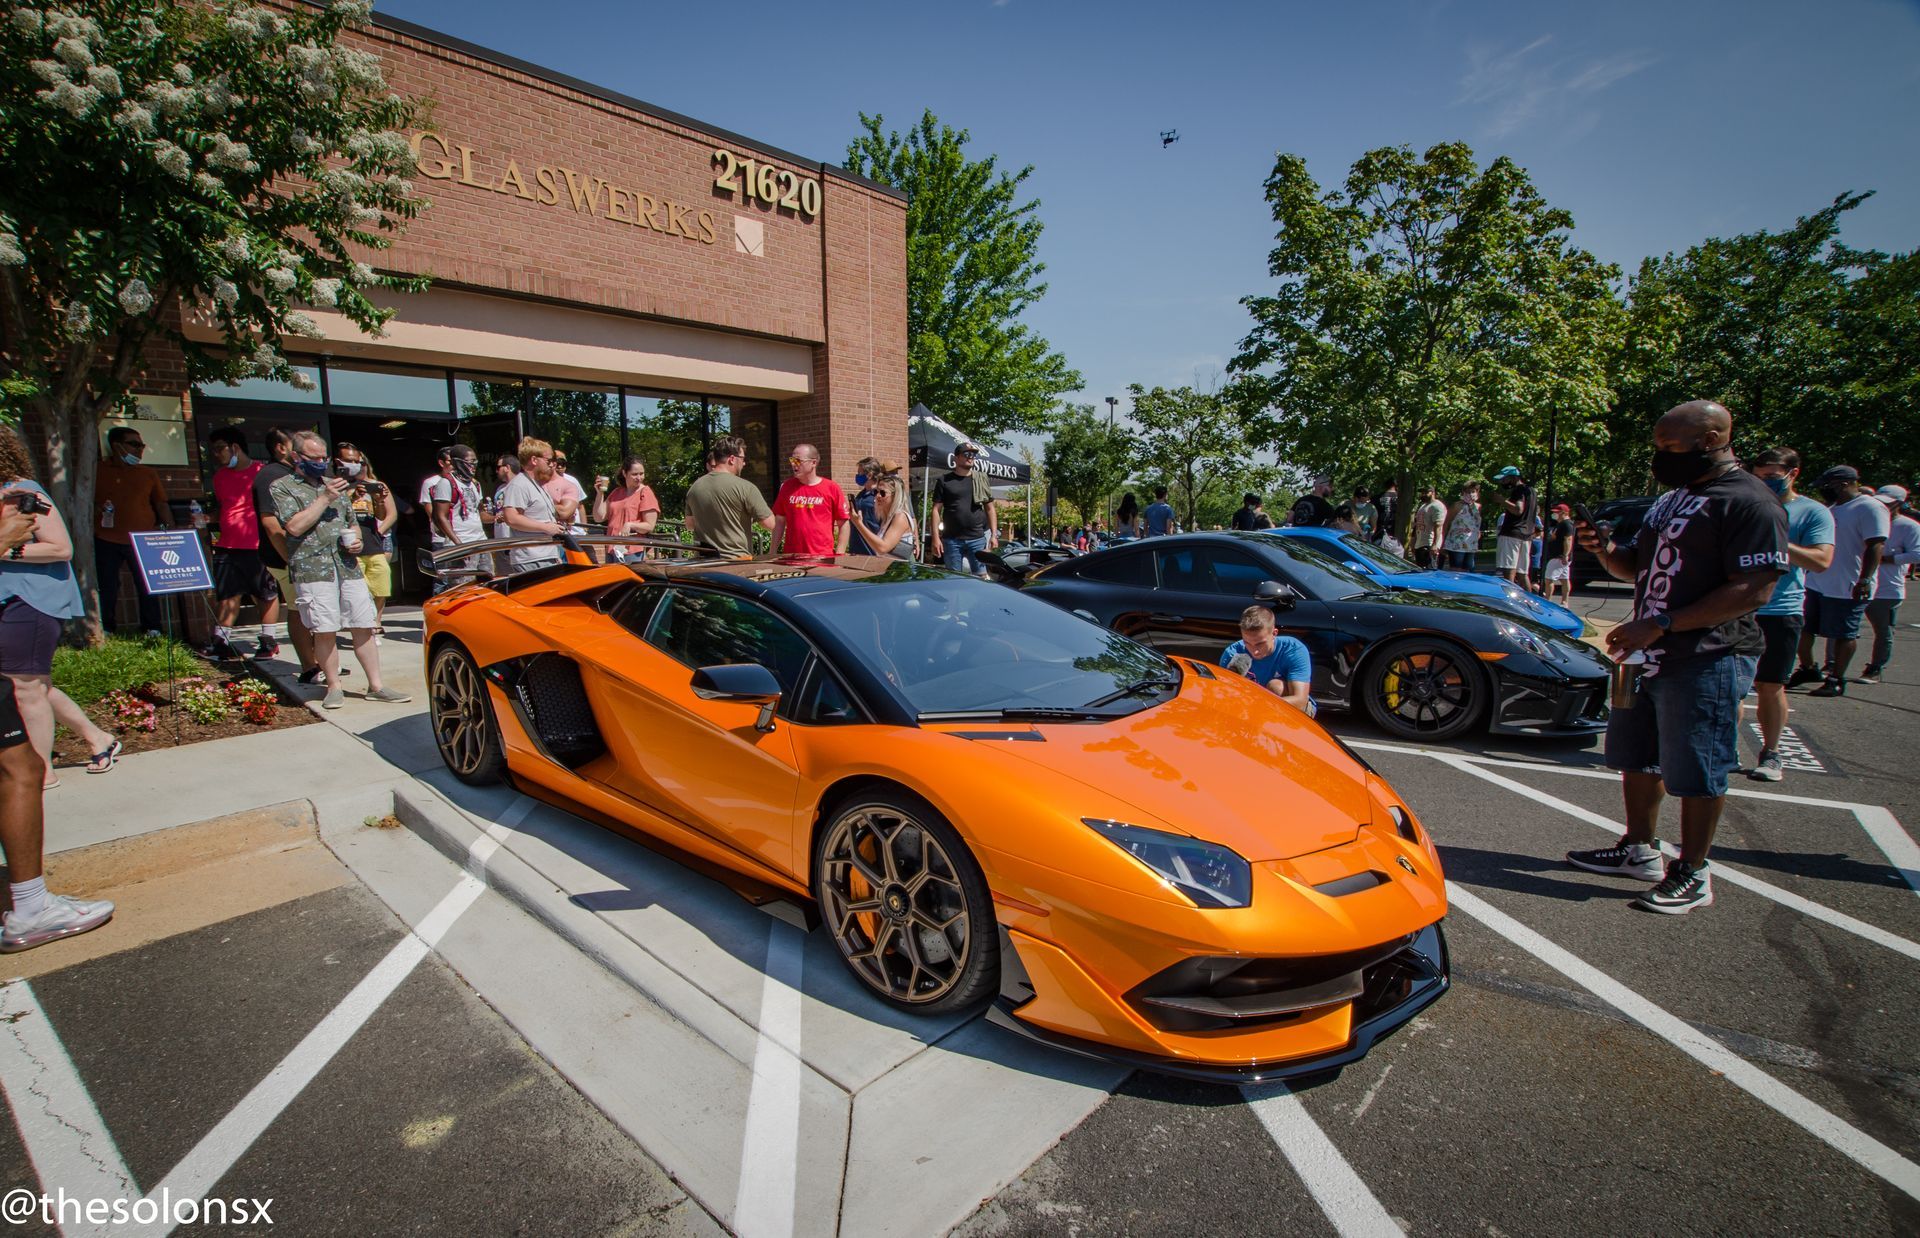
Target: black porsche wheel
462 717
1423 688
906 903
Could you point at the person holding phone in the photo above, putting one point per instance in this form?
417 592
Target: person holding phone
374 511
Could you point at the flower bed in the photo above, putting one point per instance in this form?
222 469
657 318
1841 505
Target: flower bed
204 703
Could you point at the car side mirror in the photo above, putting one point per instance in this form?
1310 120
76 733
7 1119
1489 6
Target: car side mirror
1276 594
749 684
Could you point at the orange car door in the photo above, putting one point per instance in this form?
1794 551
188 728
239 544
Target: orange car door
704 763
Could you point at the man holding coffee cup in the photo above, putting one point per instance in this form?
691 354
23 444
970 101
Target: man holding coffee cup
330 592
1704 560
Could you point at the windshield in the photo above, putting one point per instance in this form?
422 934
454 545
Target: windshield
1382 560
1322 575
954 645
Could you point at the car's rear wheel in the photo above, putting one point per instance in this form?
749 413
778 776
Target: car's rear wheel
906 903
462 717
1424 688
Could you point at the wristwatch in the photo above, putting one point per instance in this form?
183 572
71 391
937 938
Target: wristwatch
1663 621
18 552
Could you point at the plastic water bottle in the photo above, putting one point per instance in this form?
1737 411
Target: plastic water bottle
197 514
106 515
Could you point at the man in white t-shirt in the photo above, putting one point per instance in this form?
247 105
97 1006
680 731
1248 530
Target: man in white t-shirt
1897 557
451 500
1837 597
525 506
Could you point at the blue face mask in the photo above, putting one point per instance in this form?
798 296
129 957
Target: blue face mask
1777 484
129 458
233 461
312 470
859 479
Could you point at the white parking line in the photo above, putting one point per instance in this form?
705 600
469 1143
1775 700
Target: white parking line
770 1151
1330 1178
223 1146
1721 872
69 1145
1824 1125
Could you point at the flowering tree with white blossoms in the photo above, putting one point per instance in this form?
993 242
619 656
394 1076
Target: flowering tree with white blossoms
223 155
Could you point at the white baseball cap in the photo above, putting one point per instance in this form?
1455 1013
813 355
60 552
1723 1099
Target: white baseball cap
1892 494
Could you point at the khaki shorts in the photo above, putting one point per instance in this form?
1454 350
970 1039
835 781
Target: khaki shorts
1512 554
327 606
280 578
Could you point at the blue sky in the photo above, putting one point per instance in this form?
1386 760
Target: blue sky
1656 124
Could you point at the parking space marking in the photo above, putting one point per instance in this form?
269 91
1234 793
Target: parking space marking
1829 1128
1881 826
223 1146
1330 1178
770 1150
70 1147
1722 872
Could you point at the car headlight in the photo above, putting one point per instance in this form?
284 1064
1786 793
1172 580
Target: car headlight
1520 597
1522 638
1207 873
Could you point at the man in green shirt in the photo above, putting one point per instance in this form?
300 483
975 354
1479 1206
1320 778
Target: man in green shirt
315 509
722 506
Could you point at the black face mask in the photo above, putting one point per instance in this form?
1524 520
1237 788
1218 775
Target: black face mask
463 469
1677 468
1834 495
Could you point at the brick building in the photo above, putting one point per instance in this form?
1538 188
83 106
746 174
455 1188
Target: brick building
603 269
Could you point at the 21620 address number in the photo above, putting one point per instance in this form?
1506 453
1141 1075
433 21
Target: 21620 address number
765 184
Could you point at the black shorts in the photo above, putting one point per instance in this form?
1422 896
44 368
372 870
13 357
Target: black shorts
240 574
1783 646
13 732
28 638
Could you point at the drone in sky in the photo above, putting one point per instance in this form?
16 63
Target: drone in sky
1168 137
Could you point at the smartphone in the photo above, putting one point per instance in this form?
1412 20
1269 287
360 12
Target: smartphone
1585 516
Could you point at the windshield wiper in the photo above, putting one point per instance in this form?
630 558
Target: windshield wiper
1157 681
1017 713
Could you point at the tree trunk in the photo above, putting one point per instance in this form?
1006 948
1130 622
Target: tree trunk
70 469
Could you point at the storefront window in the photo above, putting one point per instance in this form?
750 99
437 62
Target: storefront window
669 433
583 424
404 391
269 389
162 427
489 408
752 420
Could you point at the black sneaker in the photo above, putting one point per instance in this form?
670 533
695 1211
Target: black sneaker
1683 889
267 647
312 675
1623 860
221 650
1833 687
1805 674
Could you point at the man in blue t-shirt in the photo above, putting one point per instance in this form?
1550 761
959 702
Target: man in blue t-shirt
1809 545
1160 521
1279 663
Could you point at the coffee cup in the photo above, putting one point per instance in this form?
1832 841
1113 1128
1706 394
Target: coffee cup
350 539
1624 680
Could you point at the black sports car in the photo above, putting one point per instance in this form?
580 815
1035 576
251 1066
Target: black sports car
1423 665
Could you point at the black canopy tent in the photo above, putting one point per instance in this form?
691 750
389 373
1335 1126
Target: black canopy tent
930 445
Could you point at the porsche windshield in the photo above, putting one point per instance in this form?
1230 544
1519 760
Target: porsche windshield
955 646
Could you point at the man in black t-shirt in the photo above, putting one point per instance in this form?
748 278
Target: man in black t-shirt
964 523
1513 548
1387 502
1249 514
1704 560
273 551
1313 510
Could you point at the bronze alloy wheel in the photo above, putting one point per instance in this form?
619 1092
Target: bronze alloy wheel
905 902
462 718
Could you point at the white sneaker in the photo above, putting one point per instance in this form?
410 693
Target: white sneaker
61 917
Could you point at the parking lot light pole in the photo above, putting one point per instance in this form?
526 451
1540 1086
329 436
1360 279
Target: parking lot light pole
1112 401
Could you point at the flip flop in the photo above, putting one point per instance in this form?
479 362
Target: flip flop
109 754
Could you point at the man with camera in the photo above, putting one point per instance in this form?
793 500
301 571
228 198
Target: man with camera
324 542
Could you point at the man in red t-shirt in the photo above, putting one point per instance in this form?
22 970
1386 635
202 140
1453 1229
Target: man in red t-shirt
237 570
810 513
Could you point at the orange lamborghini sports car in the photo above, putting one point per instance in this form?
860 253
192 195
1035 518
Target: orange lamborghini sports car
985 800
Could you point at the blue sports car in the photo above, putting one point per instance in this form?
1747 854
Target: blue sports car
1392 572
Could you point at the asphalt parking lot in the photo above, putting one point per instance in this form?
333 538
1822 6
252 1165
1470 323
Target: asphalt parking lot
605 1042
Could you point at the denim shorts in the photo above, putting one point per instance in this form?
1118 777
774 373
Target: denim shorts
1684 726
1834 618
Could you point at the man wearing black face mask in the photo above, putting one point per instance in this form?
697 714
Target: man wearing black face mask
1837 597
453 499
1703 561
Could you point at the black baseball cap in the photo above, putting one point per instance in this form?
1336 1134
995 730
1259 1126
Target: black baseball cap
1838 475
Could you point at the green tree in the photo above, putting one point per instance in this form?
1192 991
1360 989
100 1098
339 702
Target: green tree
1192 440
1429 315
972 270
1808 341
151 152
1085 459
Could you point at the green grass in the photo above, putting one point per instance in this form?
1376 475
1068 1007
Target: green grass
86 675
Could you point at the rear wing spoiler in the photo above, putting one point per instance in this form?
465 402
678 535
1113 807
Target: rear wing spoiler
438 564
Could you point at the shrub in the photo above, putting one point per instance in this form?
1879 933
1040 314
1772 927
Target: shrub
121 664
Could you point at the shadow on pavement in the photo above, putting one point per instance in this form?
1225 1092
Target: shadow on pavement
1527 874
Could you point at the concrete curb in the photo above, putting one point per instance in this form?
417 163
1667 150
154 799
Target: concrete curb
449 831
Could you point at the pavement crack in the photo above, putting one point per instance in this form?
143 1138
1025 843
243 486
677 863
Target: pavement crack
85 1138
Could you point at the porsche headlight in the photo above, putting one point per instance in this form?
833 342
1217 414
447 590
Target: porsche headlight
1207 873
1522 638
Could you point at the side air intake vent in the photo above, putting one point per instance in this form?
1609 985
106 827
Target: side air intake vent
555 704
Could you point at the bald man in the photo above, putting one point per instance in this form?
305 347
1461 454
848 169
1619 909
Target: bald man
1704 560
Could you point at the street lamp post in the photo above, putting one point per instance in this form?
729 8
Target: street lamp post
1112 402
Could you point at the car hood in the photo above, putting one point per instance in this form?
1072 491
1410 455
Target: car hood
1490 592
1224 760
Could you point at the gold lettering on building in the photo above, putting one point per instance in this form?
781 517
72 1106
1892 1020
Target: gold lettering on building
553 185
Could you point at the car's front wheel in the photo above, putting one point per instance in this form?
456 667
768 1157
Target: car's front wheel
462 717
906 903
1421 687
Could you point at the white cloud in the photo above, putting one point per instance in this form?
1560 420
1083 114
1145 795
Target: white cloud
1519 86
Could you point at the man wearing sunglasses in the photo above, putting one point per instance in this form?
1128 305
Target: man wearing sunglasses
811 512
127 498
